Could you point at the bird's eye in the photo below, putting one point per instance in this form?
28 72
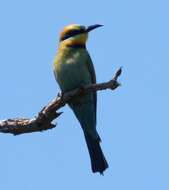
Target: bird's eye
72 33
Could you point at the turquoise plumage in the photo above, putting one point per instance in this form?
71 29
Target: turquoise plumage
73 68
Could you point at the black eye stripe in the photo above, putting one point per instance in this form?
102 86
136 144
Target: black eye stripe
72 33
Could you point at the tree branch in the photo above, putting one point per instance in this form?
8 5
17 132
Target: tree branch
43 121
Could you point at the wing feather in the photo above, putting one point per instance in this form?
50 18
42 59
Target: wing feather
93 78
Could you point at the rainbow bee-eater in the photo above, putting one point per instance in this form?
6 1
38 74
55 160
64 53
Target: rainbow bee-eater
73 68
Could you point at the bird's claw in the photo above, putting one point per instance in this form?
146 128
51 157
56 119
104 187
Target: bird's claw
60 94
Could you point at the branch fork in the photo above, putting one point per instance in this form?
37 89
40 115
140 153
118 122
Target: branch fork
43 121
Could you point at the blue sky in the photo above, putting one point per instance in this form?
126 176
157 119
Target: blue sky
132 121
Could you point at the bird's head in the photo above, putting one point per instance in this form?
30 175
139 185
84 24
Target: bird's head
76 34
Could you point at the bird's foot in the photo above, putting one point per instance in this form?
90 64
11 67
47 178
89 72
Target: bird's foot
60 94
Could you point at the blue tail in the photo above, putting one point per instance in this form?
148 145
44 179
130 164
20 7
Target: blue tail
98 161
85 113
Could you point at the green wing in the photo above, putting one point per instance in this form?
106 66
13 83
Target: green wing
93 78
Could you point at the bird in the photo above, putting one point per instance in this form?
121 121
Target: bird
73 68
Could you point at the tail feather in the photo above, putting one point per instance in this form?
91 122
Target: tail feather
85 113
98 161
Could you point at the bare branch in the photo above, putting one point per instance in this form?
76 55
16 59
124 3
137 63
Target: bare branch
43 121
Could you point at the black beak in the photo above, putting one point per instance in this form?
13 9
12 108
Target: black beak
92 27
